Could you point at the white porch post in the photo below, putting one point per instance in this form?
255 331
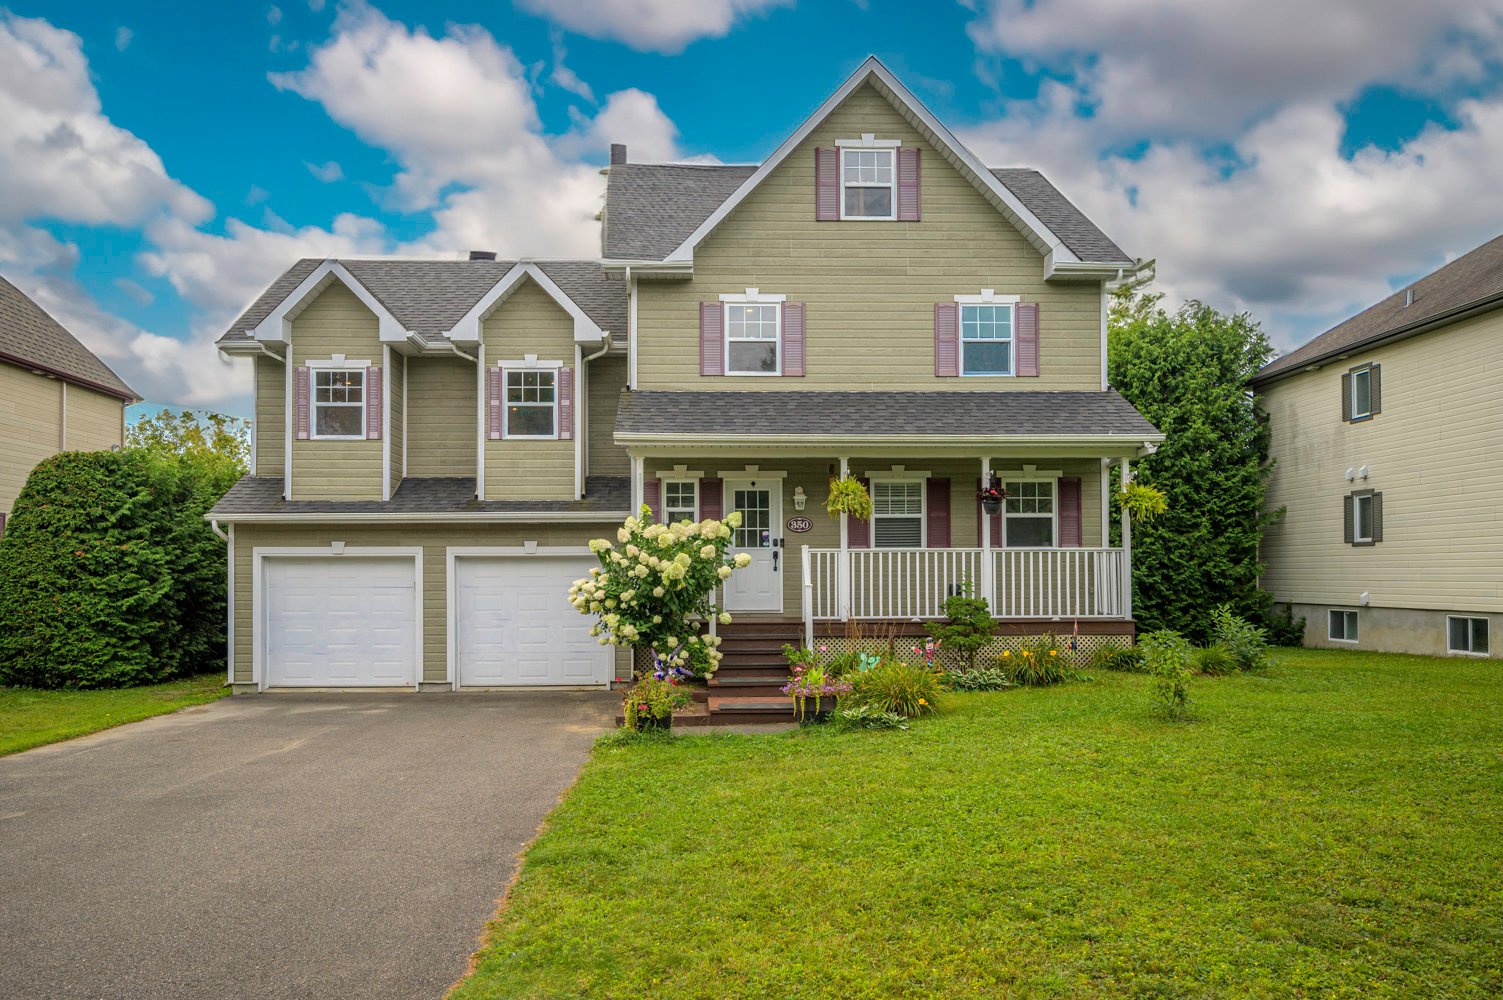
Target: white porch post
843 573
1126 545
637 466
988 570
808 595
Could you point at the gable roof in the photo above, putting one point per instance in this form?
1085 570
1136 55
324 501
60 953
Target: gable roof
428 297
30 337
872 71
650 208
1470 284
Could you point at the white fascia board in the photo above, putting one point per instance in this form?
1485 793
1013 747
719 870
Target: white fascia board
277 327
402 517
469 329
940 136
829 442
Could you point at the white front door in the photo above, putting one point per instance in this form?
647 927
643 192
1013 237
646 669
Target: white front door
758 587
514 625
340 621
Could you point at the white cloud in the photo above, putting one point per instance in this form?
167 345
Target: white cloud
326 172
136 291
123 37
565 77
651 25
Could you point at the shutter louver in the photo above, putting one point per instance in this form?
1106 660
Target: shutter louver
373 401
1375 390
1027 336
1346 397
493 385
711 339
826 185
1348 519
652 496
908 184
300 406
793 338
566 404
859 533
711 499
937 511
1376 529
1069 512
946 340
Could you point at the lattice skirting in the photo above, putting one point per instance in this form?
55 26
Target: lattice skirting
1077 649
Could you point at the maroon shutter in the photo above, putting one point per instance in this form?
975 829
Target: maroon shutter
711 338
1028 338
652 495
793 338
1069 512
711 499
1346 397
946 340
997 541
859 536
300 402
373 400
493 403
566 404
826 185
937 512
908 184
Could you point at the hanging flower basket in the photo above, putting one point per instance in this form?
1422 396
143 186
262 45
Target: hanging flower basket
991 496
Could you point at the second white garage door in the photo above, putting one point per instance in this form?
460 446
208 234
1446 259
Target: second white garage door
514 626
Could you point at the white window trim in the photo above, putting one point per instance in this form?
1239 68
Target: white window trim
753 296
1345 611
890 145
988 297
506 433
868 140
1467 652
313 403
680 480
1029 478
923 515
1358 521
336 361
1366 370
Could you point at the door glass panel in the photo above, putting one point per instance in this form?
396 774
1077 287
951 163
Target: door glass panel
756 519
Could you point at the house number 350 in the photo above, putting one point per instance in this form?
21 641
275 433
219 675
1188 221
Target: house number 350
799 525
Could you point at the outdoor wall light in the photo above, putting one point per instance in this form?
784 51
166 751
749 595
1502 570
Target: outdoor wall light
799 499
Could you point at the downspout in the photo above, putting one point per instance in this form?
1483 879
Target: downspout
582 415
214 526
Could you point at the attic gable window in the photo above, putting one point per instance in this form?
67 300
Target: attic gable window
868 178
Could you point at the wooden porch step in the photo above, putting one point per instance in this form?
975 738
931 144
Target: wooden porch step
780 705
752 668
762 687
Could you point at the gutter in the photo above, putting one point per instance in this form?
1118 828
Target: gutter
129 395
214 527
875 441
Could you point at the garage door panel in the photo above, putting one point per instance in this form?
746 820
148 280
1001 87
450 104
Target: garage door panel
514 624
340 621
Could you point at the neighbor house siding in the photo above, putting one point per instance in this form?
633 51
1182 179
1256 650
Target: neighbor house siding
95 421
31 425
336 323
1433 454
607 377
441 417
271 417
869 287
529 322
397 376
435 541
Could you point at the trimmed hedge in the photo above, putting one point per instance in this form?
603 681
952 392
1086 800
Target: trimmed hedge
109 576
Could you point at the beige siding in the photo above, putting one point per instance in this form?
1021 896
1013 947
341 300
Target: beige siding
529 322
336 323
607 377
31 425
870 287
435 541
396 375
1432 452
95 421
441 411
271 417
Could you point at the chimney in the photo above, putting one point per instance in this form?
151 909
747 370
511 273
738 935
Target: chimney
482 255
618 153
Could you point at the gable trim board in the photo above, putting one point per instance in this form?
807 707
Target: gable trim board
277 327
471 326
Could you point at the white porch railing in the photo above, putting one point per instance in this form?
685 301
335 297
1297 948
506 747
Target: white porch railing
913 583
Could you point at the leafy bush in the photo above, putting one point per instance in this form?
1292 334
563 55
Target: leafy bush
1170 659
1245 643
109 575
907 689
1215 660
980 679
1041 663
1123 659
1283 628
867 717
967 627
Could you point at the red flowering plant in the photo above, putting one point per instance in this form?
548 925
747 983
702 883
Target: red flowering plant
652 701
992 492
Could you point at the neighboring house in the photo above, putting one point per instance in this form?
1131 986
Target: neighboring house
1385 435
436 441
55 395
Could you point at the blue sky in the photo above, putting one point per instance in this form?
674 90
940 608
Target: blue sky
160 163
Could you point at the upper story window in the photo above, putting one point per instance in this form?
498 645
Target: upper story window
986 339
868 183
338 403
1361 393
898 513
680 500
1363 517
1028 513
531 403
753 338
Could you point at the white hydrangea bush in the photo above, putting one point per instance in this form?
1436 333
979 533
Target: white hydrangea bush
654 586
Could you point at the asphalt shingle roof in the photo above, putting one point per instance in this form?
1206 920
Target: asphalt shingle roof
30 336
1469 281
868 414
604 495
1061 216
430 296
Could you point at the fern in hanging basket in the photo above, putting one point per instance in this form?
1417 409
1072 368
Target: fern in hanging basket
849 496
1143 502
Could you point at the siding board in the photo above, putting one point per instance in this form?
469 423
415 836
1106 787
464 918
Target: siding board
607 377
336 322
441 411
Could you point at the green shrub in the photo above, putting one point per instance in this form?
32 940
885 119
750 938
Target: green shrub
1170 659
967 627
1123 659
109 575
1041 663
907 689
868 717
1283 628
980 679
1246 644
1215 660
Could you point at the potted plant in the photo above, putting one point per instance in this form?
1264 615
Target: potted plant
811 681
991 496
652 702
848 495
1142 502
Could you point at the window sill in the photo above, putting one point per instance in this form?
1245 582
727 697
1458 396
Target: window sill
338 437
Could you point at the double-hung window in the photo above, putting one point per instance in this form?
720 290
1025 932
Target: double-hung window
898 514
868 184
1028 514
680 500
986 339
1466 635
753 334
338 403
1362 393
531 403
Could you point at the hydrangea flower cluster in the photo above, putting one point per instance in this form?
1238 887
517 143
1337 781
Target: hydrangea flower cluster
655 584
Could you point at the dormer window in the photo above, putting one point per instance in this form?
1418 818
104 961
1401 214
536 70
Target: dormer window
338 403
869 183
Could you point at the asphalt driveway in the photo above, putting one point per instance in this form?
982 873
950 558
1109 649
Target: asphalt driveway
285 845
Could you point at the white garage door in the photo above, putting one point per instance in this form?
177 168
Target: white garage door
514 625
341 621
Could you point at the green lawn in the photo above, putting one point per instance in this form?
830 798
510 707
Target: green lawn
31 718
1331 829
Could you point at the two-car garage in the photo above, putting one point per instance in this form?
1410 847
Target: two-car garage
355 618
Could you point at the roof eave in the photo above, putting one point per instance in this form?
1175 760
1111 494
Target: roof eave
127 394
427 517
832 441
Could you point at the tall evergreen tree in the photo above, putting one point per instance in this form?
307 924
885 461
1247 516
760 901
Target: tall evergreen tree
1188 372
